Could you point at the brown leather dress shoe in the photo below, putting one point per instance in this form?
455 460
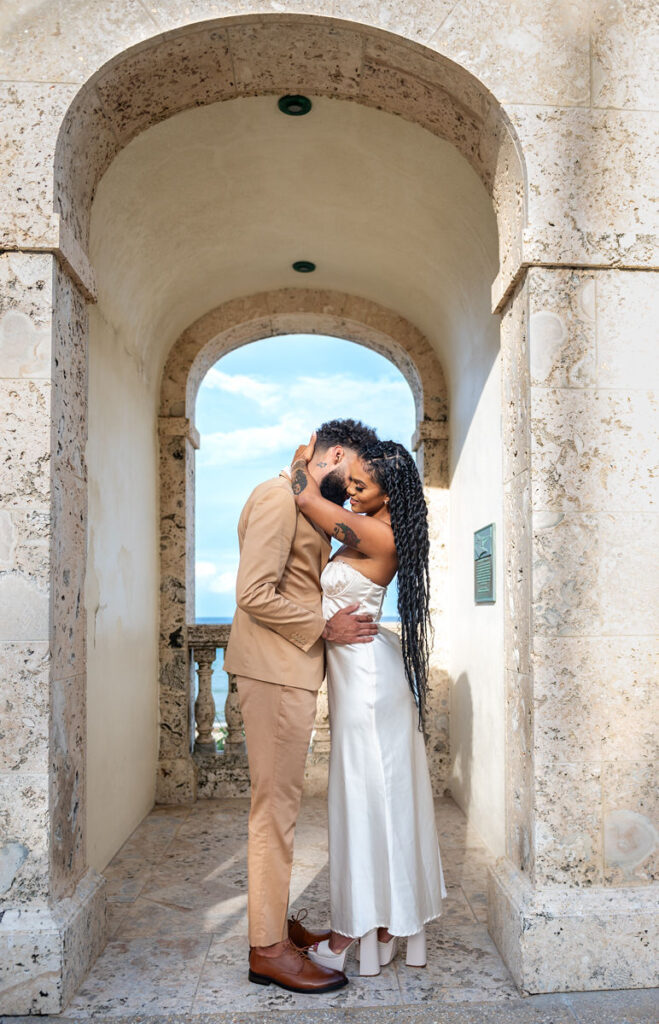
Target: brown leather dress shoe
293 970
300 936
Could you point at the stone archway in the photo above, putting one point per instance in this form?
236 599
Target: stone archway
144 85
215 334
553 212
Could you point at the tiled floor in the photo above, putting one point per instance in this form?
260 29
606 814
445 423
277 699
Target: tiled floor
178 938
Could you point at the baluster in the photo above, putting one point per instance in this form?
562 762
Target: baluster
321 741
234 745
204 707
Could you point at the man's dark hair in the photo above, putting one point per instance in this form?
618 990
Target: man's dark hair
348 433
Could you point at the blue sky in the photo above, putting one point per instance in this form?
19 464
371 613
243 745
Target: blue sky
253 409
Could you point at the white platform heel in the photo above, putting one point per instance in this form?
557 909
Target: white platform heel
416 950
369 958
387 950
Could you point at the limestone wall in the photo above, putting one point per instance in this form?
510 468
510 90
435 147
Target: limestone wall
121 593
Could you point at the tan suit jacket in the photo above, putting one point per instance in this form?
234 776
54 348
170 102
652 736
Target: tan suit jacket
276 630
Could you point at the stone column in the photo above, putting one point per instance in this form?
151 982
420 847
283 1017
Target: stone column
430 442
52 907
571 906
177 770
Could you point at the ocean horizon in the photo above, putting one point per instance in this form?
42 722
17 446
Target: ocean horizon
223 620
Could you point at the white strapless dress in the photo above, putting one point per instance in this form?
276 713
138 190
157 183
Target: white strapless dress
384 861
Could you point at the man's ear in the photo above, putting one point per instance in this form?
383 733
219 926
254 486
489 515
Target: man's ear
339 454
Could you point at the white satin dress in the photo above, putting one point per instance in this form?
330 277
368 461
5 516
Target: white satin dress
384 861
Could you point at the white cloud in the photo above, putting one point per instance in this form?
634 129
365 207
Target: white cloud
214 580
382 403
247 443
264 392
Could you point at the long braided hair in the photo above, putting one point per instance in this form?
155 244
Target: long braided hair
394 471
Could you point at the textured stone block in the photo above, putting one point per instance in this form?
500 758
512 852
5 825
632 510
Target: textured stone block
517 571
520 783
68 575
593 698
572 940
46 951
433 108
283 57
24 816
174 723
562 339
595 450
25 315
159 80
67 819
70 377
515 382
547 49
631 814
624 55
32 113
568 825
24 707
25 443
86 146
591 573
580 163
417 19
627 317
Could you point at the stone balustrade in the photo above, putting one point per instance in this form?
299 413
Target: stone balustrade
205 641
222 773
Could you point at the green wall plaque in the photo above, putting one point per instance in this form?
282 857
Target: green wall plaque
484 581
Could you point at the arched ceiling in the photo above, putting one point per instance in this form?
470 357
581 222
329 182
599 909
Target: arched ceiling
217 202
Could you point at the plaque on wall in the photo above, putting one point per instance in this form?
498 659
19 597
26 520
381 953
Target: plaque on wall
484 581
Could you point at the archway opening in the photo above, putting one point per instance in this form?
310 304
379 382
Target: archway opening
191 215
253 407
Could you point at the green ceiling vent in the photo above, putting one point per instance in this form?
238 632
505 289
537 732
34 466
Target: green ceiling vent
294 106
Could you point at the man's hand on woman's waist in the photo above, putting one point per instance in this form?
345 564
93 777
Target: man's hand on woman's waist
347 628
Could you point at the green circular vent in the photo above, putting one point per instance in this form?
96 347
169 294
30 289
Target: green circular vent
294 106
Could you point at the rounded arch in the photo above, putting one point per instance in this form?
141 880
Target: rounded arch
220 331
250 55
302 311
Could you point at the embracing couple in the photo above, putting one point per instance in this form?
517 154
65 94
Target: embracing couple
299 614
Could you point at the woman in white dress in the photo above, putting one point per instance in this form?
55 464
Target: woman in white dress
385 869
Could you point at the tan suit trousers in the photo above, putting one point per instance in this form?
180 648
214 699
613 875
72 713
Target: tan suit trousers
278 723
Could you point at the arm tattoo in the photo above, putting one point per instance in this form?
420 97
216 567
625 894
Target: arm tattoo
299 481
346 534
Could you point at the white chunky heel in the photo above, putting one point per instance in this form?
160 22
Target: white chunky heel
416 949
369 959
387 950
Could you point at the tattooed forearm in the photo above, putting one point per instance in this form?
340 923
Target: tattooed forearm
346 535
299 481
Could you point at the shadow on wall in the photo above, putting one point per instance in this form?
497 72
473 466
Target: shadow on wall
462 711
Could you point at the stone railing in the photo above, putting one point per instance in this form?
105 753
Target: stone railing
224 773
205 641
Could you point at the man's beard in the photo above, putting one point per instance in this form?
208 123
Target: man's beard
333 487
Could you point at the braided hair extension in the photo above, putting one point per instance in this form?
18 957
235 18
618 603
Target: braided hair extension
394 470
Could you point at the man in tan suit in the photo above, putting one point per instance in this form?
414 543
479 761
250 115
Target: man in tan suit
276 652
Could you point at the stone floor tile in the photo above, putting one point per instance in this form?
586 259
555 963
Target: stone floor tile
178 938
456 908
146 976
